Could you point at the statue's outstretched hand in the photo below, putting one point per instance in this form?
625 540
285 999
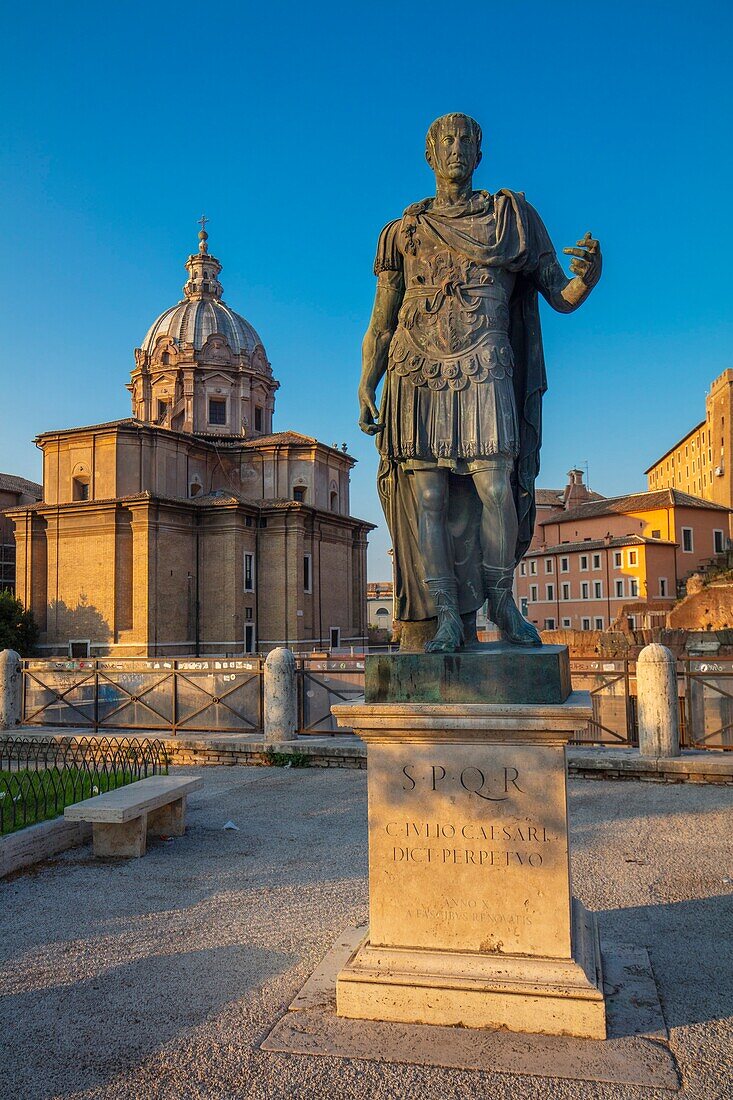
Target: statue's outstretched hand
588 260
368 412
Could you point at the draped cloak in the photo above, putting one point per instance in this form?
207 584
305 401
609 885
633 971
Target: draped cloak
519 242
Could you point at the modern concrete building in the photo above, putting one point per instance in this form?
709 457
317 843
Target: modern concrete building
192 528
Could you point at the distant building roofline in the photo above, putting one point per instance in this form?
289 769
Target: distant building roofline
676 445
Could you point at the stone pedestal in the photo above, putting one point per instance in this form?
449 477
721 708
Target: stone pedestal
472 920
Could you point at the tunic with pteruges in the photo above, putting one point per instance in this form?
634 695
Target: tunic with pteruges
449 393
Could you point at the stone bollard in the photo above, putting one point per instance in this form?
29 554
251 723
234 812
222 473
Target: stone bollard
280 696
10 693
657 702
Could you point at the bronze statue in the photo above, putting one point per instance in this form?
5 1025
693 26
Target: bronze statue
455 333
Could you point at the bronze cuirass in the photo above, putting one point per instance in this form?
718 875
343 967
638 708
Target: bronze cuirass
454 319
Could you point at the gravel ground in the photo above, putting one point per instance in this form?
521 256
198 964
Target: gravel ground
159 977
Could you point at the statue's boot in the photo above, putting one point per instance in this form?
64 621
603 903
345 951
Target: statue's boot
470 636
504 612
449 635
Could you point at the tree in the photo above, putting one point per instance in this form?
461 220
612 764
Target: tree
18 627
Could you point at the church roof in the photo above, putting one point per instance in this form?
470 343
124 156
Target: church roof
202 313
11 483
193 322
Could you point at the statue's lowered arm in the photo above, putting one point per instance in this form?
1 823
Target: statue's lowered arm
375 347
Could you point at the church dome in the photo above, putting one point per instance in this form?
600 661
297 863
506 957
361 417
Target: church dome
201 367
193 321
201 313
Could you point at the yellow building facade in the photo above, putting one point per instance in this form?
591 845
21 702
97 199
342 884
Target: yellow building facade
191 528
700 463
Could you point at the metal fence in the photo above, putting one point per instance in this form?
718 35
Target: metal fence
323 681
226 694
40 776
172 695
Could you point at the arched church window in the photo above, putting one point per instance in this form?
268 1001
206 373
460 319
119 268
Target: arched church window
165 357
334 501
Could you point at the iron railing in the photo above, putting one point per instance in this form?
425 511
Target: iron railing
176 695
166 694
40 776
323 681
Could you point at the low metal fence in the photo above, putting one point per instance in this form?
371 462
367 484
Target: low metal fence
322 682
708 698
612 687
175 695
40 776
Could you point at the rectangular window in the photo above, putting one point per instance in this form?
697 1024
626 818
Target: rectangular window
533 593
249 572
162 411
258 418
718 542
585 624
596 561
248 614
687 540
523 569
619 586
632 622
335 636
564 565
533 569
548 565
79 648
549 624
656 534
584 563
584 590
550 589
249 638
633 557
217 410
633 587
567 623
597 590
598 623
617 559
307 573
662 586
566 591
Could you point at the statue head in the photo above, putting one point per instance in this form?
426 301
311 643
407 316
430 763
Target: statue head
453 146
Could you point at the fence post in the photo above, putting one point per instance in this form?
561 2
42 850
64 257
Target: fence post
11 682
281 696
657 703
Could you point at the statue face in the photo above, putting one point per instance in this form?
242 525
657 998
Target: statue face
455 154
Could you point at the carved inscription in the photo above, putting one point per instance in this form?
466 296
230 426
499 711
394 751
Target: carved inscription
482 844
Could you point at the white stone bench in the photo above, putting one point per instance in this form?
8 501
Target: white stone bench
123 819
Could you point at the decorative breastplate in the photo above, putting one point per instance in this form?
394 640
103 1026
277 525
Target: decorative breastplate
453 323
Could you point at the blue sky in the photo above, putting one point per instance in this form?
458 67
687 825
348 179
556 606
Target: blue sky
299 131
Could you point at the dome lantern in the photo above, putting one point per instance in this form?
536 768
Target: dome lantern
202 367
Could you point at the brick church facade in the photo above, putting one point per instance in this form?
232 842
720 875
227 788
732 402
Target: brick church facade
192 528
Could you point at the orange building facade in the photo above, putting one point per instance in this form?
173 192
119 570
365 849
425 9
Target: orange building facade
588 562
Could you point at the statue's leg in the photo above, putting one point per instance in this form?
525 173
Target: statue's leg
498 546
431 496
